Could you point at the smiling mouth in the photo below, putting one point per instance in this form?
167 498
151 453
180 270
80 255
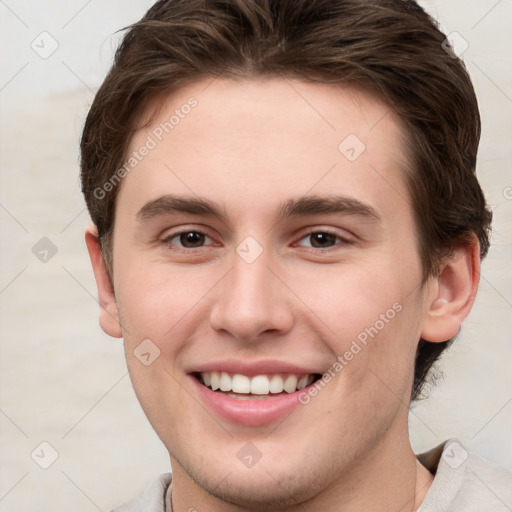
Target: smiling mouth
257 387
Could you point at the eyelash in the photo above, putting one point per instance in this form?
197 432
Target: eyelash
341 240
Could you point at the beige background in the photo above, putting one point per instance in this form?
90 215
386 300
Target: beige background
63 381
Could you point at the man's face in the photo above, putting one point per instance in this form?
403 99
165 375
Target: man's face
309 253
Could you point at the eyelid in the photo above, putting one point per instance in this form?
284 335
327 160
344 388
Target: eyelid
169 235
343 240
343 234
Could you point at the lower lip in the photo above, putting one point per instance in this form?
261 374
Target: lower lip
250 413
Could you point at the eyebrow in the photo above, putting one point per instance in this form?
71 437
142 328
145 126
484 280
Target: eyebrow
175 204
307 205
314 205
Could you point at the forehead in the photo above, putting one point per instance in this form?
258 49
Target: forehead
264 105
254 141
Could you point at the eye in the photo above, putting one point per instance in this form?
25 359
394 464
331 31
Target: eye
188 239
322 239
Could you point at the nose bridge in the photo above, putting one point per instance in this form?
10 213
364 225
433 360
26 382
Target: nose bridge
251 282
251 300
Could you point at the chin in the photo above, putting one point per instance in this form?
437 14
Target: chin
263 492
264 487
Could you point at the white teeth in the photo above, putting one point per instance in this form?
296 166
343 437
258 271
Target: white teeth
260 385
240 384
257 385
206 379
303 382
276 384
215 380
225 382
290 384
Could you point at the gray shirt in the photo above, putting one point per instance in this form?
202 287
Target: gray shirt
463 482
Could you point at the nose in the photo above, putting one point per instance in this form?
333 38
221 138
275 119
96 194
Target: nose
252 302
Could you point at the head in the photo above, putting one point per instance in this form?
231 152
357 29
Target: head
259 119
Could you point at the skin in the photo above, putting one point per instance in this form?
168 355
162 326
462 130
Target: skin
248 146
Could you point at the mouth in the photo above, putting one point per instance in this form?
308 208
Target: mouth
252 393
257 387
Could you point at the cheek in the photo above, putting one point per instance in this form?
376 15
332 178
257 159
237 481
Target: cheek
373 318
155 306
156 300
351 300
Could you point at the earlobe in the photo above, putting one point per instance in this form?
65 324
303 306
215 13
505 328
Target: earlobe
109 315
450 295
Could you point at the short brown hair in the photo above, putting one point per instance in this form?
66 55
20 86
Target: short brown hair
392 47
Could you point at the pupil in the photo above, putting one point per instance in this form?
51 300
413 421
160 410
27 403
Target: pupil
322 239
192 239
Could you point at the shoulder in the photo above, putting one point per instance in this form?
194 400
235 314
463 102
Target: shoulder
465 482
153 499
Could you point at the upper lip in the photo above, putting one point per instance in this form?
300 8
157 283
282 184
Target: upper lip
253 368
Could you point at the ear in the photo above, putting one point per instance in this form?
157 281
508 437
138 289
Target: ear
109 315
450 295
